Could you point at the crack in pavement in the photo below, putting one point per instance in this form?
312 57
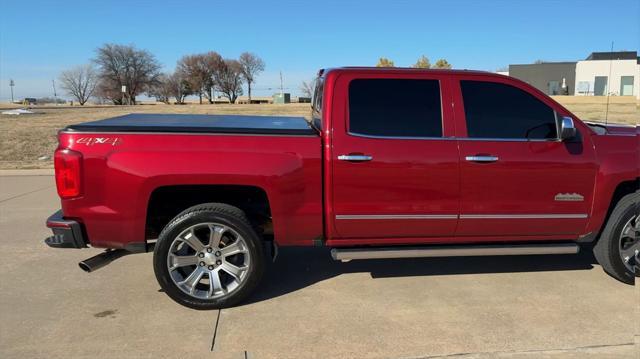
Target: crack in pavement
26 193
215 330
533 351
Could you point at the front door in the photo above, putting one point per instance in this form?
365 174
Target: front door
517 178
394 161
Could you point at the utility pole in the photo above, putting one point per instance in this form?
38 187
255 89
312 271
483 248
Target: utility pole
11 84
55 95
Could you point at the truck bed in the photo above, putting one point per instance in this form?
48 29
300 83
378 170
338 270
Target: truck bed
267 125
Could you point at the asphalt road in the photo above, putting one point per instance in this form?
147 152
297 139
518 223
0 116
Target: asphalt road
308 305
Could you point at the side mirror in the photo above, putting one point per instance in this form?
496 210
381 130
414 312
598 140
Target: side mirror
567 129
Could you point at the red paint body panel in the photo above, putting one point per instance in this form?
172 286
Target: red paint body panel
525 179
307 187
616 165
406 176
120 179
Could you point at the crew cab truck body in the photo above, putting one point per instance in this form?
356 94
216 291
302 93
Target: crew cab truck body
393 163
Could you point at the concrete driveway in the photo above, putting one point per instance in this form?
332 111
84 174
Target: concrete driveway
308 305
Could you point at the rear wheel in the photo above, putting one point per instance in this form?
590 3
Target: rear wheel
618 249
209 257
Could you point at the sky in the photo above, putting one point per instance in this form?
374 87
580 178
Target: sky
43 38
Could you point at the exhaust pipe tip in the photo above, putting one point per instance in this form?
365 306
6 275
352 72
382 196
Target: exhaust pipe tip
98 261
84 267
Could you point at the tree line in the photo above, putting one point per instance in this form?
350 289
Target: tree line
120 73
307 87
422 63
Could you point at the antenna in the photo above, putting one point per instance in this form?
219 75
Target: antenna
606 113
281 84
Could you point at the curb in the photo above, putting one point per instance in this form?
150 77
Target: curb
34 172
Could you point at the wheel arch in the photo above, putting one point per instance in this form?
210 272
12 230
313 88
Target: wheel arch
622 189
165 202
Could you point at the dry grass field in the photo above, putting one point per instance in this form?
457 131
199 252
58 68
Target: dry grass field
590 108
26 138
28 141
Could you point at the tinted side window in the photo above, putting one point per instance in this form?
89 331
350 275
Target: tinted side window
317 94
393 107
495 110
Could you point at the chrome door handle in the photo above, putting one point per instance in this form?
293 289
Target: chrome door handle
355 158
484 159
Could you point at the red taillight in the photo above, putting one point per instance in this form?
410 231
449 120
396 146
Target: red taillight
67 164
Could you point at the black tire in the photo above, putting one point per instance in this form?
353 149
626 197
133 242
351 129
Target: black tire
607 249
226 215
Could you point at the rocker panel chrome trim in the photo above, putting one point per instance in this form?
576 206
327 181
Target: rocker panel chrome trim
348 254
396 216
525 216
463 216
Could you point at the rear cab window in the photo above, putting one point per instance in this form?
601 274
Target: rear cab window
500 111
395 108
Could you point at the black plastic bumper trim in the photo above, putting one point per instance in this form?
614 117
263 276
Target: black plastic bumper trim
66 233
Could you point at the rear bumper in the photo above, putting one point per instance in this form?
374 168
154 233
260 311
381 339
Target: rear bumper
66 233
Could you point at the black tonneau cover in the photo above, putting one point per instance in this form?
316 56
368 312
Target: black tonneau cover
268 125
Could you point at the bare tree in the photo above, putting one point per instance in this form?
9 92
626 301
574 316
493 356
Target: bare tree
252 65
125 65
179 87
80 82
200 70
191 67
212 61
174 85
229 79
161 90
307 88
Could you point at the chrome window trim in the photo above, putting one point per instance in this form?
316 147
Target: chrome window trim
452 138
355 134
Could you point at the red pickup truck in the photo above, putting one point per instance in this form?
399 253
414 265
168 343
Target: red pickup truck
393 163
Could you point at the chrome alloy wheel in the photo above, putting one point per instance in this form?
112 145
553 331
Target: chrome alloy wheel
630 244
208 260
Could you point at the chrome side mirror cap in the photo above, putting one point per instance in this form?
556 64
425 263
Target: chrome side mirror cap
567 129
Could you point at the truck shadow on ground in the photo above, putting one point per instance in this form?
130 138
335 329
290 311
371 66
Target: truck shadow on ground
299 267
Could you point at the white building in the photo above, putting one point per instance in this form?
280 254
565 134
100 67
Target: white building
613 73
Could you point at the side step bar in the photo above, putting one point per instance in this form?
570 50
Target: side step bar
347 254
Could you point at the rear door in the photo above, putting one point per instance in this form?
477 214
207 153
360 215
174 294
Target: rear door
394 158
517 177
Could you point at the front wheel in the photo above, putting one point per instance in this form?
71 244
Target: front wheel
209 257
618 249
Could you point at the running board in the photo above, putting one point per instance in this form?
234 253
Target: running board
348 254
